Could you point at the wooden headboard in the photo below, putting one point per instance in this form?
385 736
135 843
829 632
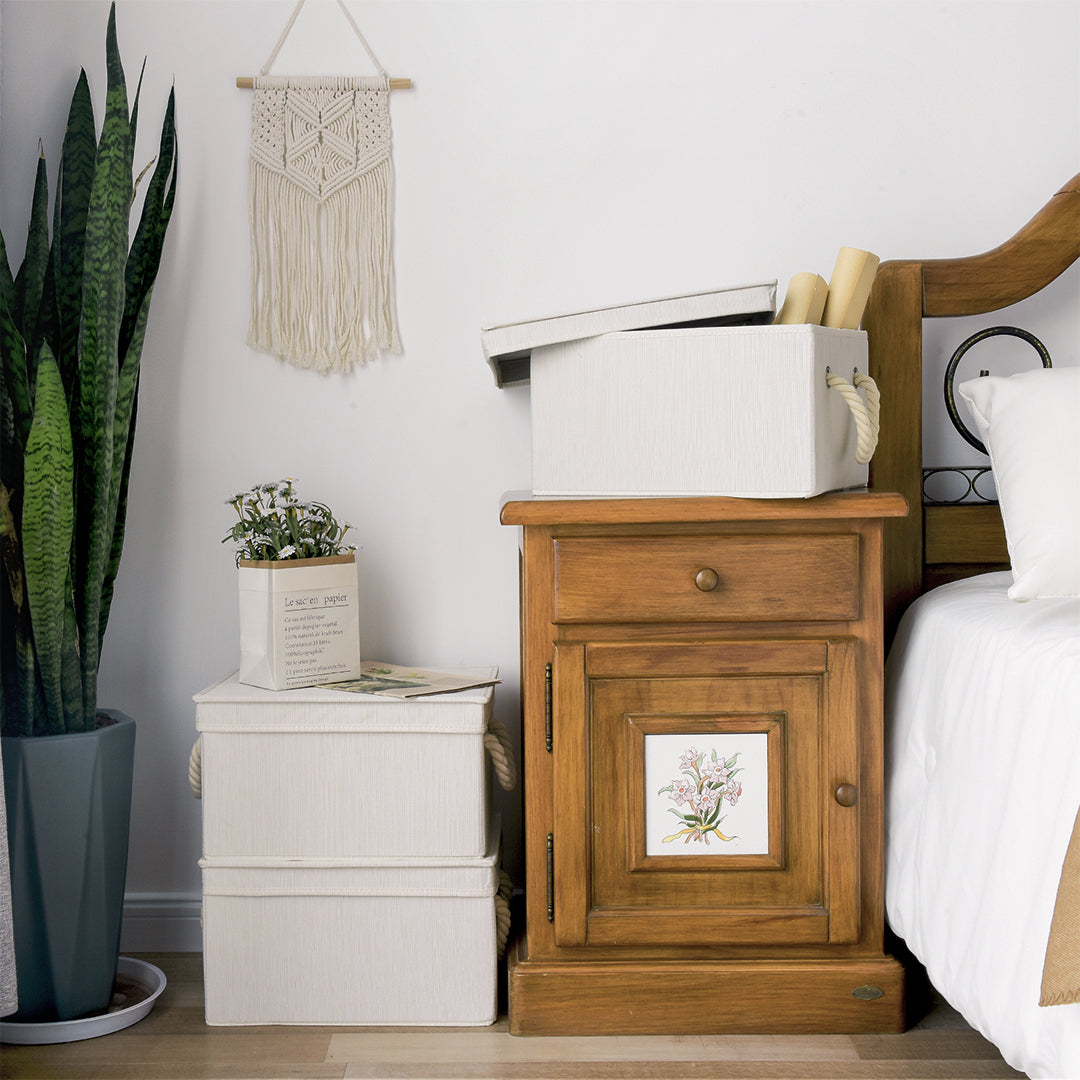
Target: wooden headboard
940 543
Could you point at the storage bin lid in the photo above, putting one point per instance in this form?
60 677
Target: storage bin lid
232 706
238 875
508 346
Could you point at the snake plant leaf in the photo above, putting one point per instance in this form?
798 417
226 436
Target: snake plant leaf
16 397
127 398
7 282
47 524
75 719
103 306
140 275
45 325
113 565
7 303
146 247
134 121
22 697
73 190
85 301
30 280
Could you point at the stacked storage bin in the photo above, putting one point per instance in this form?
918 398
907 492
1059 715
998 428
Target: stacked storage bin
350 859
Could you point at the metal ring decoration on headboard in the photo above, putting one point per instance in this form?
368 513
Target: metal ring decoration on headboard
950 372
971 476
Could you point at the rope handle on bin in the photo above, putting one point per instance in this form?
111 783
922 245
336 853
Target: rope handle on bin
194 769
502 911
866 413
498 745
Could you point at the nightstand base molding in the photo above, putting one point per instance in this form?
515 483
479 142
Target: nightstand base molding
594 997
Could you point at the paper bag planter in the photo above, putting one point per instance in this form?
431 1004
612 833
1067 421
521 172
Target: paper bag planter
299 621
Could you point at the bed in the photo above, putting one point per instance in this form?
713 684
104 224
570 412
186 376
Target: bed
983 673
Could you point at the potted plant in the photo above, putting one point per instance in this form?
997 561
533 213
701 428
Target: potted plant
72 323
299 610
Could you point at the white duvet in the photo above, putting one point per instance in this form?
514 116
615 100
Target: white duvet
983 786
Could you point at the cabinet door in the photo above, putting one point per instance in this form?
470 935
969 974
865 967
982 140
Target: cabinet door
701 793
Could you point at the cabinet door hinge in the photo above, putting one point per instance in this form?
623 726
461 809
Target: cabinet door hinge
547 708
550 877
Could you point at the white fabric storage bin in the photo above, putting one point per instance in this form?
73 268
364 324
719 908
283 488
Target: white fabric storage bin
316 773
740 410
352 942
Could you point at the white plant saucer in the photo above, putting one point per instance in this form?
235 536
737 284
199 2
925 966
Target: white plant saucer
138 985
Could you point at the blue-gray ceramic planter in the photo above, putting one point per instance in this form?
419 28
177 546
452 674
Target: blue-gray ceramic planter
68 809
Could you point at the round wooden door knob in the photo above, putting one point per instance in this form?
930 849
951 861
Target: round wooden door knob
847 794
706 579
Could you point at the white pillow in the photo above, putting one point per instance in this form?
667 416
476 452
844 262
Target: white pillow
1030 425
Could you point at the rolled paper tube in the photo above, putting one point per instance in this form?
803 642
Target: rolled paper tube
849 288
804 302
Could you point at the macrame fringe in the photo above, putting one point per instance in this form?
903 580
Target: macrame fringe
322 271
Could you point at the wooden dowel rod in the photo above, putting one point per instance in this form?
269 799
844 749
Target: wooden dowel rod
247 82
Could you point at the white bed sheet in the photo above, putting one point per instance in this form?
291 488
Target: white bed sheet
983 785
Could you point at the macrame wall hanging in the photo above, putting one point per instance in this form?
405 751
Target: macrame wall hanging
321 207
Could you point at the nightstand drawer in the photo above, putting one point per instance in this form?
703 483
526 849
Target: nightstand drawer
707 579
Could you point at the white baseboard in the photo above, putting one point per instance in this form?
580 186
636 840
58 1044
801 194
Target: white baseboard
162 922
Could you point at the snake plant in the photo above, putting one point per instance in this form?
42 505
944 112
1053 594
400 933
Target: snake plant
72 323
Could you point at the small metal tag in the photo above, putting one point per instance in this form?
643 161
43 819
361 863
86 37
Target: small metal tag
868 993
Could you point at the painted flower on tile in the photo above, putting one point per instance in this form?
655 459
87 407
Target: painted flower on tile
704 802
703 787
681 790
716 772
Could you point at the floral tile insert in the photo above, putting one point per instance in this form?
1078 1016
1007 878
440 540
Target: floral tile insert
707 794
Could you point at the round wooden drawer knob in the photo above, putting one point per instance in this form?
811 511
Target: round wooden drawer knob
707 579
847 794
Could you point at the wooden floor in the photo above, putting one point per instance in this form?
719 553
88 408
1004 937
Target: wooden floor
173 1043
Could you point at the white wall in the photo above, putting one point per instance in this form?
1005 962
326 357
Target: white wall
551 155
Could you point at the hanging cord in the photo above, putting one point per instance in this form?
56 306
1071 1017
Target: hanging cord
194 769
502 911
498 745
289 25
867 414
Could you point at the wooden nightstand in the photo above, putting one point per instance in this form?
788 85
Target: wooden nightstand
702 742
